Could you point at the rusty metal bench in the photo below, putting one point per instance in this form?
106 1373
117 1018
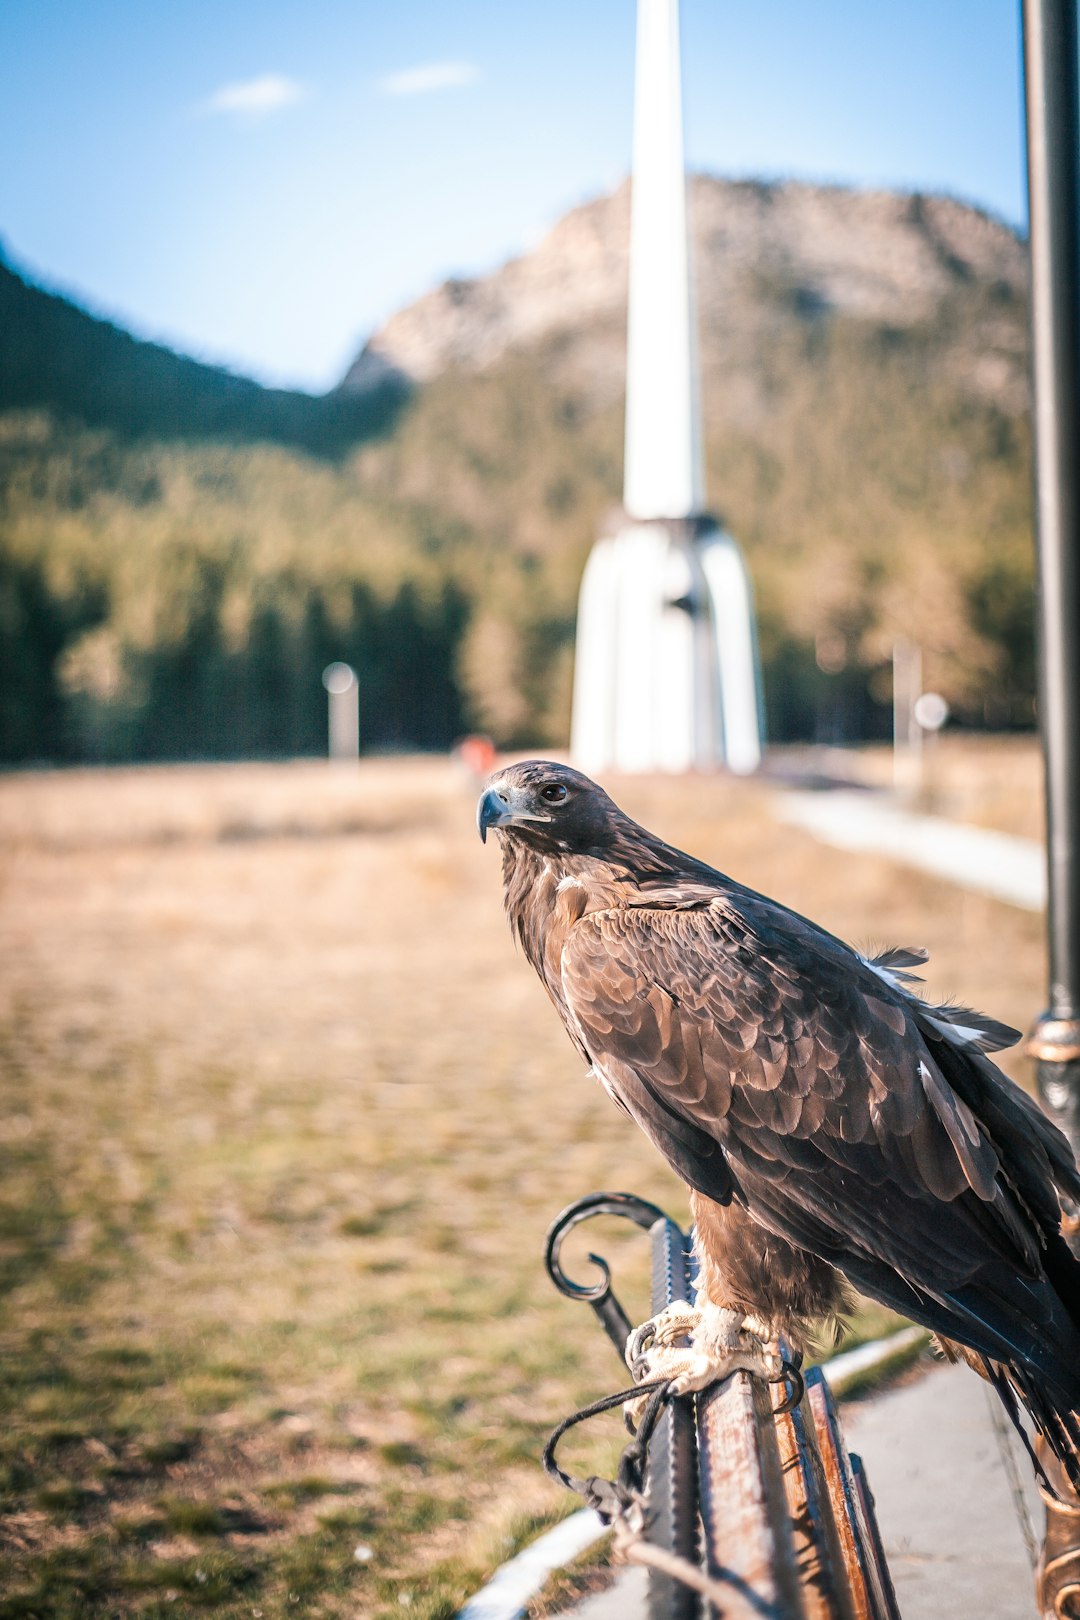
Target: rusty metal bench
768 1502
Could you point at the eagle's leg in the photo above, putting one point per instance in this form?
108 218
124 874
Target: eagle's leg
721 1333
753 1290
780 1289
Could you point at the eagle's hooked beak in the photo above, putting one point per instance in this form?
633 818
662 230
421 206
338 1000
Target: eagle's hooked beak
492 811
503 807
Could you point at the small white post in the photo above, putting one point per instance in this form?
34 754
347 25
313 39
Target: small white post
344 705
907 734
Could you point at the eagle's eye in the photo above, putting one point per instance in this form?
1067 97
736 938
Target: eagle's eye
553 793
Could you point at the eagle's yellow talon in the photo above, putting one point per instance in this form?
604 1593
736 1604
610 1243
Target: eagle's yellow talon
677 1321
720 1344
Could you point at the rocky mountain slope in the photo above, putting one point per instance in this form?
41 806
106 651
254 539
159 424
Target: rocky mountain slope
864 383
759 251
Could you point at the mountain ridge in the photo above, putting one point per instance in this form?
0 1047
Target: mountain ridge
882 256
182 551
58 355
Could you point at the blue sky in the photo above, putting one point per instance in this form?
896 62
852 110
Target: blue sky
260 182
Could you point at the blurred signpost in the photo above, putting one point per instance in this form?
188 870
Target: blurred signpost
1053 151
907 737
918 716
930 712
343 690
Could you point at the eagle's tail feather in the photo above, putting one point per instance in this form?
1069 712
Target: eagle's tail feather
1060 1429
1063 1272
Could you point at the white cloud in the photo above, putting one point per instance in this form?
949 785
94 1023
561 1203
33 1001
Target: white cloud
418 81
256 98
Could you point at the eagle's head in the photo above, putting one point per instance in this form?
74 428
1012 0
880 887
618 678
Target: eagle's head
547 805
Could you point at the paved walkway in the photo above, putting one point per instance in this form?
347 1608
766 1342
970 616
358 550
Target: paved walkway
994 863
952 1539
947 1517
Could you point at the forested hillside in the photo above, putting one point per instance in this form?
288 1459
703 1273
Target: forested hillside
183 551
55 355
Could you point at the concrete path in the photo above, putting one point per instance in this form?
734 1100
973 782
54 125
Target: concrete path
625 1599
947 1518
952 1539
994 863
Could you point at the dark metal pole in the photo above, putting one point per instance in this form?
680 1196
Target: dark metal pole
1053 149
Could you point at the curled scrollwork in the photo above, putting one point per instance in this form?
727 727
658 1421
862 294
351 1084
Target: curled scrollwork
631 1208
597 1294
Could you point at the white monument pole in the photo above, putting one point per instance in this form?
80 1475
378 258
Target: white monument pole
666 676
662 475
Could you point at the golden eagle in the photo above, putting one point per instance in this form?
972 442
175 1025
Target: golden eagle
830 1123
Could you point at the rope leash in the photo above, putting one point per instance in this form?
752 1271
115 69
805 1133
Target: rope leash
613 1498
1004 1437
620 1502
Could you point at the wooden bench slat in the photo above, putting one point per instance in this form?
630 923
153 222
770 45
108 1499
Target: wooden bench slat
747 1528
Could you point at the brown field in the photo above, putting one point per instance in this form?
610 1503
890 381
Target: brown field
989 781
284 1118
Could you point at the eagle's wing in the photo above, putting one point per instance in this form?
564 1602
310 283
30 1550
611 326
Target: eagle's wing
760 1053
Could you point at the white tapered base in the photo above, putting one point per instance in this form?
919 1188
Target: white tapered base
667 675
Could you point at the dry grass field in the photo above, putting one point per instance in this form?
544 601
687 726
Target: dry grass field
988 781
284 1118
